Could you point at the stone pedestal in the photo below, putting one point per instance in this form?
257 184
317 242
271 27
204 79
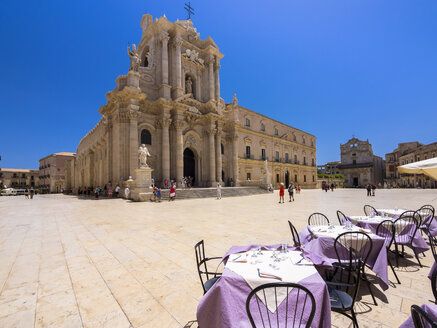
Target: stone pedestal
143 182
133 79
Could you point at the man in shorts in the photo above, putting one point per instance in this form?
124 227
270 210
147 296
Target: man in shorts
291 192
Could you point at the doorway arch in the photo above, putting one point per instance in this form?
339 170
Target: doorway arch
189 164
287 179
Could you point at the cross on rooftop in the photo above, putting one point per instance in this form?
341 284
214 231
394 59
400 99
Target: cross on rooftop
189 9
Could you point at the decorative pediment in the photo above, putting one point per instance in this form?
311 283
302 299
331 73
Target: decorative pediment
247 140
262 143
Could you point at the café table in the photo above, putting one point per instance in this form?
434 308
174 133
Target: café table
371 222
430 309
392 212
320 240
224 305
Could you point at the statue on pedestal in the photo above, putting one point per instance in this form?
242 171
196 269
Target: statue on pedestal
188 85
235 101
135 59
143 153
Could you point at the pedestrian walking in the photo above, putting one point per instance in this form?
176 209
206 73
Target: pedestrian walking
281 193
32 192
117 190
26 193
291 192
369 190
172 193
219 191
298 189
159 195
373 190
332 187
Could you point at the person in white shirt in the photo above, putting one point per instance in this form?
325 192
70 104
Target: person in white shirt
117 190
219 191
126 192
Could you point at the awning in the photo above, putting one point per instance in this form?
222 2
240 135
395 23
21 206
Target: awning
428 167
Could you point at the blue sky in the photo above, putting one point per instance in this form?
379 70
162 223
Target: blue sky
333 68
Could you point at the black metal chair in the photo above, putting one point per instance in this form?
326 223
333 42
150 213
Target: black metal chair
202 269
368 210
427 212
341 217
386 230
405 230
343 289
299 308
296 239
421 319
415 214
317 219
351 248
433 245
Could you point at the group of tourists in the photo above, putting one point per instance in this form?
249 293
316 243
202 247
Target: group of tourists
326 187
291 190
106 191
28 193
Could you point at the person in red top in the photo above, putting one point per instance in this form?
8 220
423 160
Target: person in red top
172 192
281 193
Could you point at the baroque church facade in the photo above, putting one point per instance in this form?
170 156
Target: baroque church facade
170 101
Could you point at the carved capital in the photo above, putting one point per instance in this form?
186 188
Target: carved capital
209 131
177 41
164 37
178 125
210 59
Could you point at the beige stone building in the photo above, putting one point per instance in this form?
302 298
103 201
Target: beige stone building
52 171
359 165
392 161
18 178
170 101
417 154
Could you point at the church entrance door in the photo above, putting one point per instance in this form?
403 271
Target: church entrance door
189 164
355 182
287 179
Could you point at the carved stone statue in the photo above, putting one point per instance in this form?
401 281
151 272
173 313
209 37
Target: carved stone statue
193 56
143 153
235 100
135 59
188 85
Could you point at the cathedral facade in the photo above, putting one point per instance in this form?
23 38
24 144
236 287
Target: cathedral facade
170 101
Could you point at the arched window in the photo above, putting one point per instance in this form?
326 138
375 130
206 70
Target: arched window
263 128
146 137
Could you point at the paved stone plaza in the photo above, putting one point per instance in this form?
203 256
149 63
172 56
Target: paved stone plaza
69 262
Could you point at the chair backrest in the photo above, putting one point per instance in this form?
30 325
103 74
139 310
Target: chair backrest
427 212
341 217
296 310
386 229
201 262
316 219
368 210
352 247
433 278
421 319
415 214
405 228
296 239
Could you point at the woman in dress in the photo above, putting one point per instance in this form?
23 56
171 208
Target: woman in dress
172 193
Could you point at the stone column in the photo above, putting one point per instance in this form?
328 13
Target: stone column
133 144
218 154
198 90
165 149
177 43
235 159
179 152
217 80
211 76
210 133
165 88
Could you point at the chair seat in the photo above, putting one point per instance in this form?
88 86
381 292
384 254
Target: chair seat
339 299
209 283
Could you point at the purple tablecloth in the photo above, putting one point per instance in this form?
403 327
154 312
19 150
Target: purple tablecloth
419 244
430 309
224 305
324 245
432 228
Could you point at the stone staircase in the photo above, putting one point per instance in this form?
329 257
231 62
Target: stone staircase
212 192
